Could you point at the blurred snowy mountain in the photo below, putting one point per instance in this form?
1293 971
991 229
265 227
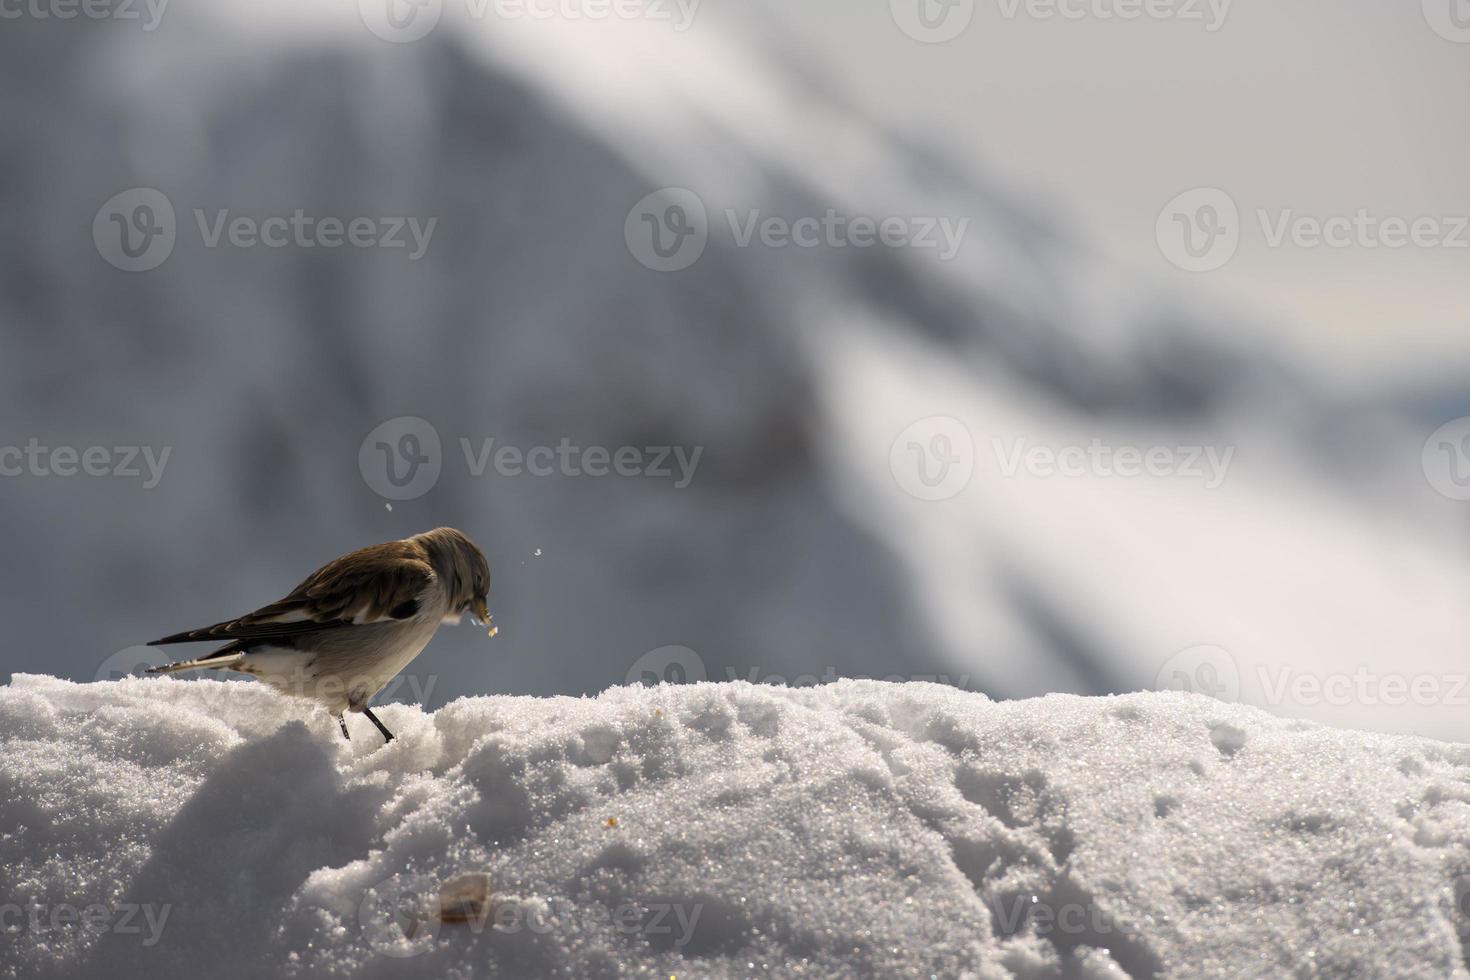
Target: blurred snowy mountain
806 375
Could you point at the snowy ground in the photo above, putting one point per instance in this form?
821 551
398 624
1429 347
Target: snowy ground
167 828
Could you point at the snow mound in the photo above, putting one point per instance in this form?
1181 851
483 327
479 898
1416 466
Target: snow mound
157 827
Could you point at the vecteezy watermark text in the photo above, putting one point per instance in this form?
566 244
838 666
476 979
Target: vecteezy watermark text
307 231
1212 670
1211 13
1363 686
678 13
567 458
405 21
1050 918
1207 464
403 916
148 13
938 21
406 687
403 458
120 918
669 229
677 664
39 460
833 230
674 920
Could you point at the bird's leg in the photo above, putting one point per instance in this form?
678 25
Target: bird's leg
342 720
387 735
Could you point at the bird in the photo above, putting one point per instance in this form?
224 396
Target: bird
345 632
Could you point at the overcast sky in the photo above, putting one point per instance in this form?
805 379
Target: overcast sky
1323 108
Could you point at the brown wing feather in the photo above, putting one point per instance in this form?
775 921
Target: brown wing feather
381 582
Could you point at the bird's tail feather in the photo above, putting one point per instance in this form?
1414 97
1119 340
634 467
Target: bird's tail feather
204 663
221 659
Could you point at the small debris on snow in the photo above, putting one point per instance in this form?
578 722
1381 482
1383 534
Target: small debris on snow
465 899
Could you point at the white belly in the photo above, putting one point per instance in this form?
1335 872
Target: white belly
343 673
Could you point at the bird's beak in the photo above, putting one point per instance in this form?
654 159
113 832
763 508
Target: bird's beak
481 614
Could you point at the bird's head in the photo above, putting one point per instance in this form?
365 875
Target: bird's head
463 569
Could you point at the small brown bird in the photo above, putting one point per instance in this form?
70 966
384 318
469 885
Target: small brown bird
348 630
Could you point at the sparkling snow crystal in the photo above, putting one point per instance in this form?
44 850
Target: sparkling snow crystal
159 828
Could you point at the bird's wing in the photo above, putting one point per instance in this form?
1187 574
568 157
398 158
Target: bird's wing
383 583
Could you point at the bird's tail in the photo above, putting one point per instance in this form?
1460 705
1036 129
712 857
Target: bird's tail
204 663
221 659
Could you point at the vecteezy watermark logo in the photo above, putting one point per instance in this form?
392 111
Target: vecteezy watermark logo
402 458
667 231
1199 230
399 917
148 12
1097 459
400 21
1204 669
135 230
1450 19
1460 894
35 459
1446 459
128 662
932 21
667 665
934 458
